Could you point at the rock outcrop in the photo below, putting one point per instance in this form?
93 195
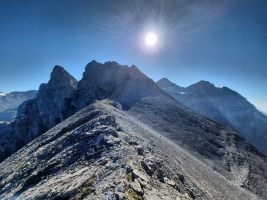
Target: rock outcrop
38 115
44 112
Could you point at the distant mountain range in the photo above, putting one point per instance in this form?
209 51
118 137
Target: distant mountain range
9 103
116 134
224 106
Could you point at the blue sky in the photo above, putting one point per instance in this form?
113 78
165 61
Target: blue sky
222 41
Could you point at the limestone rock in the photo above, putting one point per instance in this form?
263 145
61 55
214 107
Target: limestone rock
40 114
140 175
169 182
136 186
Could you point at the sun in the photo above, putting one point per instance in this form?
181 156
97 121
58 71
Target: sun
151 39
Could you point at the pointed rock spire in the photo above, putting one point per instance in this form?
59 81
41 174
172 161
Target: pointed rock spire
42 113
60 77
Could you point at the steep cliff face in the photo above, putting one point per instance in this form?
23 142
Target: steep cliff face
224 106
124 84
40 114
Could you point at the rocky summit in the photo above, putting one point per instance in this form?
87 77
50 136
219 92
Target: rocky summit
38 115
117 135
124 84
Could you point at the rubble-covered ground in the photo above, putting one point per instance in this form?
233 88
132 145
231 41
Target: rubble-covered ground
102 152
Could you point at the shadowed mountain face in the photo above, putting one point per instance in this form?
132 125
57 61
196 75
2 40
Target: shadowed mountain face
130 146
224 106
40 114
9 103
124 84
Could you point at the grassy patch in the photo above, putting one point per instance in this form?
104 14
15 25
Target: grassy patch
89 182
85 189
131 195
128 177
125 161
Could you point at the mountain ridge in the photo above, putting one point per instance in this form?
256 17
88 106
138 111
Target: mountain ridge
116 156
87 133
225 106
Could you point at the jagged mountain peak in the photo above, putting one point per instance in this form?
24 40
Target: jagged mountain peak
60 77
95 70
38 115
91 64
112 65
61 84
58 72
58 68
112 80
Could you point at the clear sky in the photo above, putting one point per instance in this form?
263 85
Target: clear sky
222 41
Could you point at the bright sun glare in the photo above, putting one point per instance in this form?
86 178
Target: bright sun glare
151 39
